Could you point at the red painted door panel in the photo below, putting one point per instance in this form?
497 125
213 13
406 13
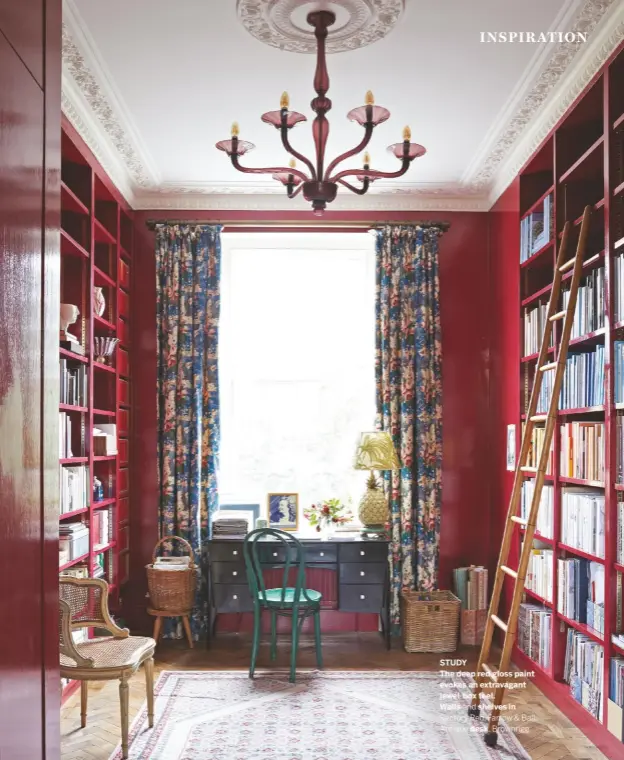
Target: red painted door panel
21 642
21 22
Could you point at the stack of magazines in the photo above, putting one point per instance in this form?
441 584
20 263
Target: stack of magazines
229 527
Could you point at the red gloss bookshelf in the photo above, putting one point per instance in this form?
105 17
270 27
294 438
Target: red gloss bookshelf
96 251
581 163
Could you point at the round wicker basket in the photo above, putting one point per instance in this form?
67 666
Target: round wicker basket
172 589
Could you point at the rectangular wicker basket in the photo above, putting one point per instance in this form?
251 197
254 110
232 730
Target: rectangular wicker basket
430 621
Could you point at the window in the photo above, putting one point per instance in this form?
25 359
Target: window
296 363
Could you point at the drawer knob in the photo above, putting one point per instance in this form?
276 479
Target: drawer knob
362 553
322 554
362 573
235 572
275 554
362 596
234 596
235 552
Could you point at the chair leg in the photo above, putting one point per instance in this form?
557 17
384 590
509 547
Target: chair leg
84 694
273 635
294 644
256 640
187 627
157 627
149 689
317 639
124 702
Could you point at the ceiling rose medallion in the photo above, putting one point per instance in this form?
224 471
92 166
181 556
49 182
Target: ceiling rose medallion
283 23
319 182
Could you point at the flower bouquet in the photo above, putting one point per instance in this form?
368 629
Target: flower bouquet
327 514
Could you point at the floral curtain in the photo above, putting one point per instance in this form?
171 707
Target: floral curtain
188 260
409 399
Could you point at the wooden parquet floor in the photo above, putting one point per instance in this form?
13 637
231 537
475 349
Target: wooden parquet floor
551 735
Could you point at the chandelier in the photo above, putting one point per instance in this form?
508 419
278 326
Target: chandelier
320 185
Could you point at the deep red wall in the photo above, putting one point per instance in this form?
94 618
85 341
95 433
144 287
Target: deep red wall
464 295
30 106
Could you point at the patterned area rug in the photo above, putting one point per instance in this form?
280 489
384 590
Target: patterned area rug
354 715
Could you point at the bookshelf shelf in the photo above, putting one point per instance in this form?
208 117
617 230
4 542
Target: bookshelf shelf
619 648
581 410
538 598
536 296
619 121
580 553
533 357
618 244
539 537
94 218
593 262
619 487
589 164
594 337
538 202
618 567
547 478
580 482
590 632
538 255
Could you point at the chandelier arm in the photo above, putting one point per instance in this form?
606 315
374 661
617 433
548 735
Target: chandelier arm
358 190
368 133
268 169
295 153
293 193
373 174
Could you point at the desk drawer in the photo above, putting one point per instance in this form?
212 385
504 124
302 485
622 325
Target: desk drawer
326 553
227 551
362 572
361 551
228 572
365 598
232 598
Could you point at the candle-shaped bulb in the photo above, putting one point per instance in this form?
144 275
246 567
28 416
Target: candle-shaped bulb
407 134
367 159
292 163
369 100
235 129
284 100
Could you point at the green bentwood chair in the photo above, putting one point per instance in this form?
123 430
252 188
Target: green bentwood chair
260 549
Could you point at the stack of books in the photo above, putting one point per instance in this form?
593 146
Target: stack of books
74 488
470 585
101 527
73 541
536 229
539 577
545 516
589 315
583 451
583 670
583 520
73 384
229 527
535 449
534 628
583 381
618 363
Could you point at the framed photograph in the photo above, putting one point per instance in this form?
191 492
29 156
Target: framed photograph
283 511
511 447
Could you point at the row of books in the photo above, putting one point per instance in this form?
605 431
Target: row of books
75 488
619 448
534 325
582 451
102 526
65 436
534 627
589 314
583 380
619 549
470 585
618 376
74 389
535 449
618 275
616 680
536 229
539 576
545 517
580 591
73 541
583 670
583 520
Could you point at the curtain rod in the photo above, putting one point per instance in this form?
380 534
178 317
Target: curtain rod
151 224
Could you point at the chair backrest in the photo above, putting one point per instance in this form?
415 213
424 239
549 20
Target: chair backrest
259 551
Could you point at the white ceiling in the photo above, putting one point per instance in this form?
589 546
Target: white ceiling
153 84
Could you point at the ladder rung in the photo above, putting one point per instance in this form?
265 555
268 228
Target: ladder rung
511 573
568 265
547 367
489 672
539 418
500 623
529 469
558 315
519 520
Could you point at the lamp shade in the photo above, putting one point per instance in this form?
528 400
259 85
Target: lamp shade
376 451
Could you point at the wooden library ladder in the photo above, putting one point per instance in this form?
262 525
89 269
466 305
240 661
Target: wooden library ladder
485 674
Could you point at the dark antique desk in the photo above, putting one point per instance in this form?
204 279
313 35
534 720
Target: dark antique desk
356 577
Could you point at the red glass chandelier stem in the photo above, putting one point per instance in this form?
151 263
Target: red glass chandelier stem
268 169
372 173
321 104
295 153
368 133
291 193
358 190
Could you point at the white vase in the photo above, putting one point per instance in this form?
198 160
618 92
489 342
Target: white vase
99 302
